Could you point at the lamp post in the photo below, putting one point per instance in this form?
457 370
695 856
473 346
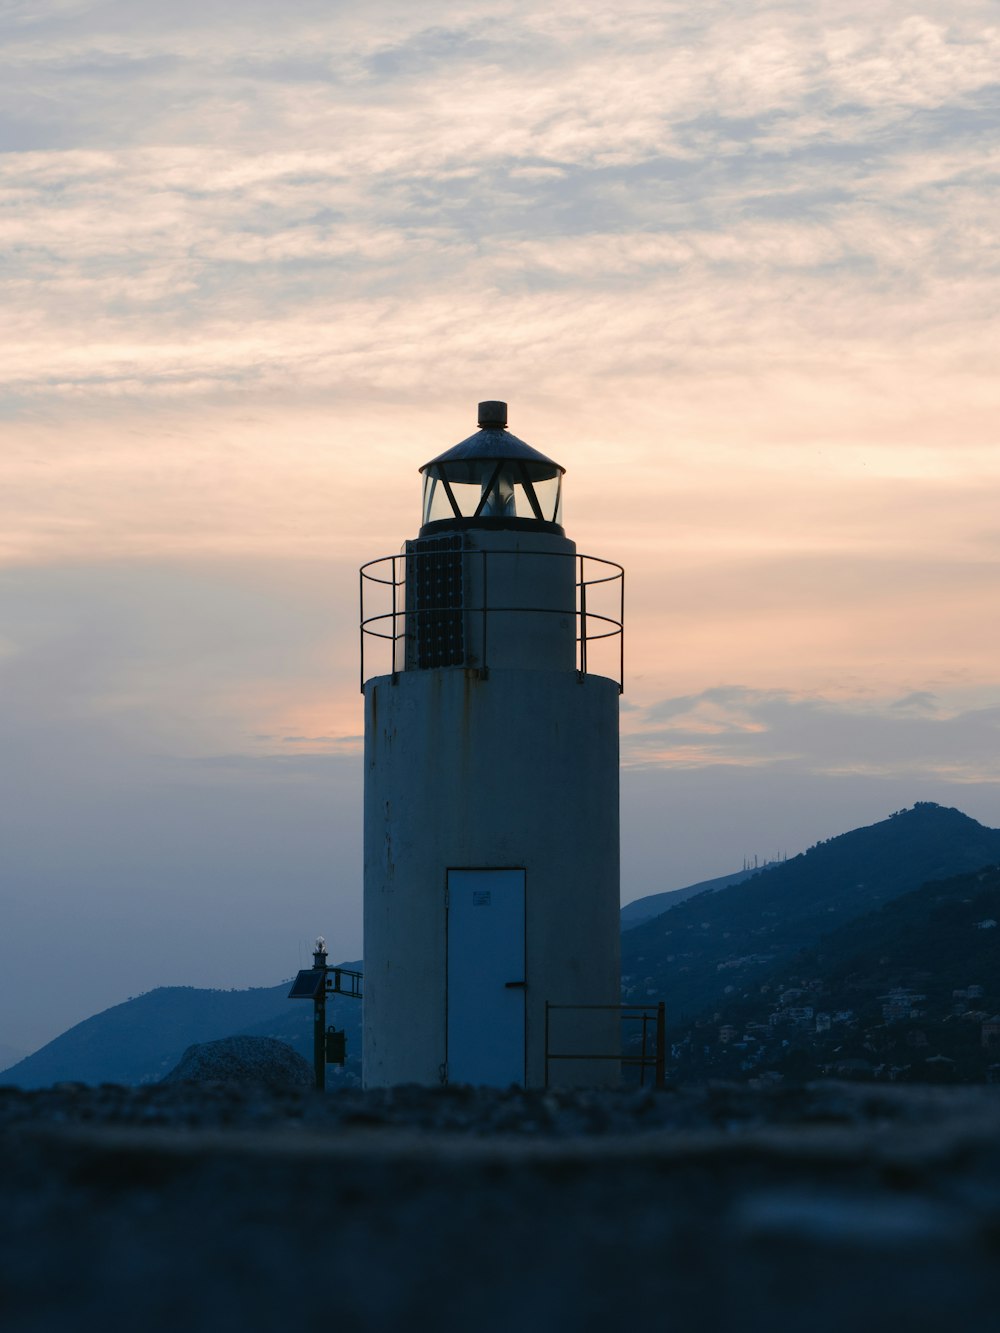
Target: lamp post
313 983
319 1014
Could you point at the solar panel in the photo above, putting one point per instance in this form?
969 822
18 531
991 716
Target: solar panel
434 600
307 985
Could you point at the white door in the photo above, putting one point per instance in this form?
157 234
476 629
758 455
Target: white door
486 977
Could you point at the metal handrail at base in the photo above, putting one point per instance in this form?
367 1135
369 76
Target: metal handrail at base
646 1014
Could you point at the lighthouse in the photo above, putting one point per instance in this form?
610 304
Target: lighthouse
491 827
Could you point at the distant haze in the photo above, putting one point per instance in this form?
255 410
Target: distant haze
732 265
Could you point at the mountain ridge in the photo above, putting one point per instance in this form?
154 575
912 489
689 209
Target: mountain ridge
700 955
142 1039
689 955
654 904
910 992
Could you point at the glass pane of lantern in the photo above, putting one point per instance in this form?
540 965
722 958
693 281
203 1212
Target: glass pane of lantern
502 499
468 494
436 502
507 489
549 496
512 493
523 501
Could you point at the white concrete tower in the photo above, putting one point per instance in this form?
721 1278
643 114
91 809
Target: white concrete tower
491 782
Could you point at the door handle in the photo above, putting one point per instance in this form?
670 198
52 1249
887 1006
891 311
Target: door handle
515 985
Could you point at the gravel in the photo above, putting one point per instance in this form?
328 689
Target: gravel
220 1205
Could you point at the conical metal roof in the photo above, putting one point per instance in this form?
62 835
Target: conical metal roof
495 442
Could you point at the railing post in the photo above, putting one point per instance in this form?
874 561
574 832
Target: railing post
319 1037
394 585
546 1045
583 622
621 637
361 600
401 611
661 1045
486 661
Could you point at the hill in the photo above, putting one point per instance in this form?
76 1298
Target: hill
721 958
904 991
655 904
719 944
141 1040
938 938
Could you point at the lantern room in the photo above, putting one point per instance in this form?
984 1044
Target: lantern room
493 480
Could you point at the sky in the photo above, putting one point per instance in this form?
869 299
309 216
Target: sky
734 265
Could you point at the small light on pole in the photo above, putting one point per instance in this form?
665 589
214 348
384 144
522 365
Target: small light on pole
319 1015
329 1045
310 984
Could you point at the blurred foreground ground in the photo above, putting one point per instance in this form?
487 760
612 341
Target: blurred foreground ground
214 1207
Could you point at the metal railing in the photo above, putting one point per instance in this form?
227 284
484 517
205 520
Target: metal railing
389 625
647 1015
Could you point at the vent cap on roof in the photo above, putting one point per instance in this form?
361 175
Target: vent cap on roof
493 415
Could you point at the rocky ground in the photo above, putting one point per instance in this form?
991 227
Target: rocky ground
216 1206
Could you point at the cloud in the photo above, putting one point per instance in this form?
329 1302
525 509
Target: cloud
918 736
772 226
